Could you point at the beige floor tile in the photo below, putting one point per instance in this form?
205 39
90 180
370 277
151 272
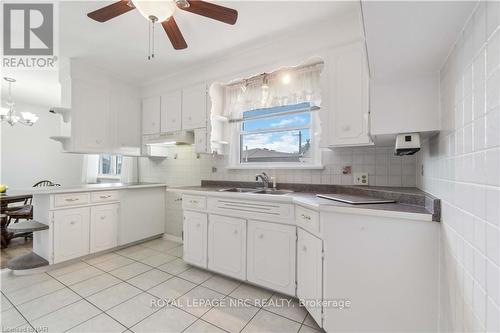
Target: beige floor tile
99 324
230 318
12 282
253 295
129 271
113 296
67 317
196 275
201 326
6 304
149 279
94 285
269 322
161 244
172 288
309 321
167 319
286 306
49 303
113 263
307 329
80 275
141 254
68 269
176 251
199 300
34 291
101 258
158 259
221 284
134 310
11 319
174 267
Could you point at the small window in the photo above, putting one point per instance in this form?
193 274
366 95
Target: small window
277 135
110 165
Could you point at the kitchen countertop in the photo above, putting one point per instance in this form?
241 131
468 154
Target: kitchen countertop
309 200
85 188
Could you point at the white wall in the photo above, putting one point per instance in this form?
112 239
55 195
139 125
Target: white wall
462 167
28 155
405 105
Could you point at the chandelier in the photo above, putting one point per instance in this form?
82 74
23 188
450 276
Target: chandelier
10 115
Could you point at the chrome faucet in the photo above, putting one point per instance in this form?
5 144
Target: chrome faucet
265 179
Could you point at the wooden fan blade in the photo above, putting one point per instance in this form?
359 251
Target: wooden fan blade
107 13
174 34
213 11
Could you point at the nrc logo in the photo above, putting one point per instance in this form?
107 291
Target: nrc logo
28 29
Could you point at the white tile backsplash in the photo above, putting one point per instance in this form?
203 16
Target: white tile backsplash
462 167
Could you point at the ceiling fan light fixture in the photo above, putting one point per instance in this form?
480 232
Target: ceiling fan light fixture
161 10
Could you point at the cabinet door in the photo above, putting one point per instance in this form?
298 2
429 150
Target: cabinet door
103 227
194 107
71 233
126 115
347 107
227 246
195 238
171 112
271 256
310 271
151 115
91 119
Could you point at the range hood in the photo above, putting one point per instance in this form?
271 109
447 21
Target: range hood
171 138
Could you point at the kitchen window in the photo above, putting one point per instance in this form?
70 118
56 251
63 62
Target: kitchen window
278 135
110 166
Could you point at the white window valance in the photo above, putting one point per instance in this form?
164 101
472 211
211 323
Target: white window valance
283 87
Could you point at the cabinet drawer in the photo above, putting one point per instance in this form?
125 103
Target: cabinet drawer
252 209
104 196
194 202
307 218
71 199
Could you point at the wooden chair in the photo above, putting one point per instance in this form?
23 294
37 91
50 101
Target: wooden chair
25 211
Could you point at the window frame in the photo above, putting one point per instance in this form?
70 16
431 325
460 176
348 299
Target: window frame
113 166
313 127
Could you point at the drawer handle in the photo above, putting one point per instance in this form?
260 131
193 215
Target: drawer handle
235 232
71 199
105 196
103 217
193 201
72 222
306 217
261 236
178 199
304 249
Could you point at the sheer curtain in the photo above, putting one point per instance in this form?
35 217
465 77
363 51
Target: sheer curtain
282 87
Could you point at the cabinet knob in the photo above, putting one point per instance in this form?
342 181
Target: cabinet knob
261 236
103 217
198 225
346 128
72 222
304 248
306 217
235 232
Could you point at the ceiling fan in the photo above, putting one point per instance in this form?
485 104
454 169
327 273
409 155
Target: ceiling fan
162 11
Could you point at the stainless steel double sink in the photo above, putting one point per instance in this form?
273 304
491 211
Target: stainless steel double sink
255 190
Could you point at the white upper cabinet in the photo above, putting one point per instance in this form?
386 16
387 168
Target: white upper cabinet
345 111
171 112
271 256
194 107
126 118
151 109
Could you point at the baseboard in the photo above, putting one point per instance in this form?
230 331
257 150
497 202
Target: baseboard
172 238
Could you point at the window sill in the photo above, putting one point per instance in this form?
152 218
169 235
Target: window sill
270 166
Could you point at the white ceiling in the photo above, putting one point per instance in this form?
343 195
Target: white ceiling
411 37
120 45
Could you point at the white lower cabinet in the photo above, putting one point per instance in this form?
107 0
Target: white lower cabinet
310 271
271 256
227 245
195 238
103 227
71 233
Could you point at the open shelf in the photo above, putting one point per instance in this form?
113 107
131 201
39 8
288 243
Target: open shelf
28 226
65 113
